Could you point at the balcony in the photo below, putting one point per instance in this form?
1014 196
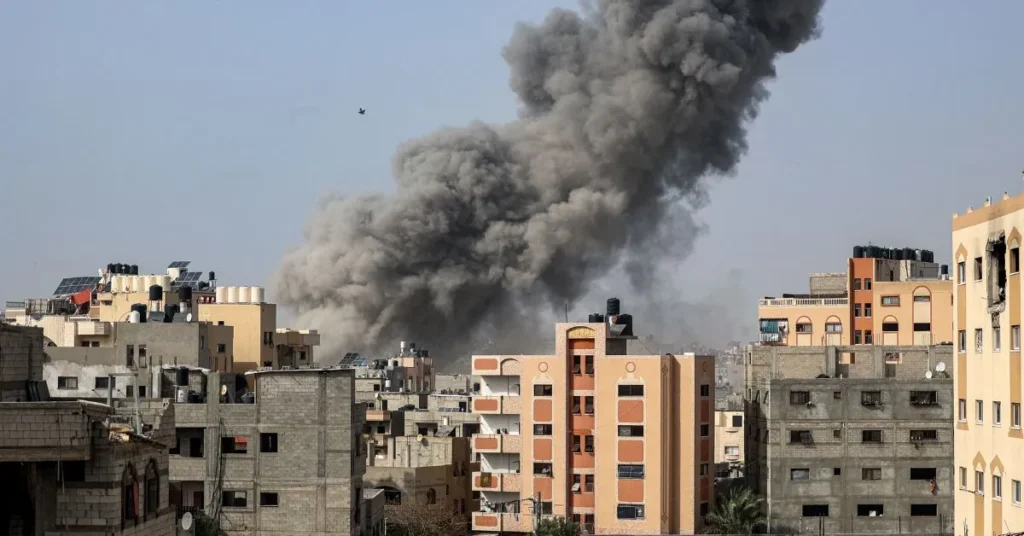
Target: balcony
377 415
497 482
494 522
497 443
803 302
94 329
497 405
496 365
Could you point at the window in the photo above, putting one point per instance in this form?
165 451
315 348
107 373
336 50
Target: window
837 434
588 405
577 484
997 413
815 510
234 445
631 390
222 348
588 483
737 421
919 510
67 382
588 443
268 498
997 343
837 395
631 431
1015 414
577 405
867 310
924 435
867 283
235 499
142 355
542 429
105 382
705 430
704 509
979 482
978 341
577 364
871 436
546 508
804 327
977 268
962 410
588 365
732 450
543 469
857 337
979 411
1015 337
922 473
922 327
129 357
963 478
997 487
799 474
576 443
856 284
542 389
705 390
629 511
961 272
71 472
833 327
923 398
799 398
152 498
268 442
871 398
837 471
633 472
1015 490
871 473
800 436
1014 260
856 310
129 499
890 327
890 301
996 250
869 510
962 334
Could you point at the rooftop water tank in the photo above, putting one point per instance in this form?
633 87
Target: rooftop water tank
221 294
256 294
232 295
243 294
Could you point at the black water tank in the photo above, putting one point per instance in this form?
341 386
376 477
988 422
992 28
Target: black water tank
626 320
169 311
120 268
594 318
185 294
858 252
181 377
928 255
141 309
156 293
944 269
110 268
613 306
213 276
134 269
897 254
908 254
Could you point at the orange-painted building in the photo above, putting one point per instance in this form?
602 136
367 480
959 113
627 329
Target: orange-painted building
623 444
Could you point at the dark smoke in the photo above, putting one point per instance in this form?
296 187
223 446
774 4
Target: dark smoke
624 110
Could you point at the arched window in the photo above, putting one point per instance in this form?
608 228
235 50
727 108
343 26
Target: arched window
152 489
129 496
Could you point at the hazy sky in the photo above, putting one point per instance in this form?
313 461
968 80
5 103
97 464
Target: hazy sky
145 132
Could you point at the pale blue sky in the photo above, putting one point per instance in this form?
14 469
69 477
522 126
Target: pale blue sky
149 131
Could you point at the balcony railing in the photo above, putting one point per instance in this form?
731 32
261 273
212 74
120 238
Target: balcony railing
802 302
497 405
498 443
495 522
194 510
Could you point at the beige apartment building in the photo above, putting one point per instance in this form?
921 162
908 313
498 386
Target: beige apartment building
886 296
729 441
623 444
989 445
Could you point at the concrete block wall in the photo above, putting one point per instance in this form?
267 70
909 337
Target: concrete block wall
21 357
45 431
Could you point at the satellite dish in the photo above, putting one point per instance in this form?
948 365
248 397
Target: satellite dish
223 390
186 520
188 317
941 367
928 374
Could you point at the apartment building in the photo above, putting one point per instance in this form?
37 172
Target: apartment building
851 439
989 442
621 443
729 440
885 296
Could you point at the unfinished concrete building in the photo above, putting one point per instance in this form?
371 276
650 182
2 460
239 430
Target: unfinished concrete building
67 467
851 439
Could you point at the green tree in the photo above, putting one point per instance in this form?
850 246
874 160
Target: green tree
558 526
739 513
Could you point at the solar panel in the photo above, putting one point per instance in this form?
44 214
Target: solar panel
187 279
73 285
179 264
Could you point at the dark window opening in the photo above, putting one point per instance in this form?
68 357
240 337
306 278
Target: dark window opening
737 421
588 483
705 390
129 355
996 270
890 327
152 498
871 473
869 510
234 445
871 436
815 510
634 472
924 510
923 398
542 429
577 364
542 389
977 269
871 398
588 405
631 390
922 473
268 499
1014 260
922 326
799 398
71 472
268 442
576 405
588 365
801 436
924 435
105 382
235 499
67 382
576 443
543 469
629 511
588 443
631 431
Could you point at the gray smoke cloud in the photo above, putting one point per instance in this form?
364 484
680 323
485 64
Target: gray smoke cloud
625 109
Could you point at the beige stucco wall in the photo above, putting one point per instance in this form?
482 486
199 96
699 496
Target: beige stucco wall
727 435
250 322
938 311
837 311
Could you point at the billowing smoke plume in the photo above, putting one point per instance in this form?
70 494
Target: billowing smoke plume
624 110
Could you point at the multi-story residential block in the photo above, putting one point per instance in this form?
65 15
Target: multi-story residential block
851 439
987 301
886 296
622 443
729 437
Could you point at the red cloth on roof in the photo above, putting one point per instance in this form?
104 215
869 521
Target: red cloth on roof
81 298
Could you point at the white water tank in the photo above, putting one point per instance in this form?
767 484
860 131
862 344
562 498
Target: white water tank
136 283
115 283
256 294
164 281
222 294
148 281
134 317
243 294
232 295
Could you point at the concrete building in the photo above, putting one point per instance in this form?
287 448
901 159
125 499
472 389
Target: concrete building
621 443
67 467
291 461
729 445
855 444
989 442
886 296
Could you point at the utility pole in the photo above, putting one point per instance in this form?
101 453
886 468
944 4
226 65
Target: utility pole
536 514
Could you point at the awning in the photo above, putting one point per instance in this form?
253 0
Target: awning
82 298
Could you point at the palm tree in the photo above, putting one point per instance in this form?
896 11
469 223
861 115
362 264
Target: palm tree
740 513
558 526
